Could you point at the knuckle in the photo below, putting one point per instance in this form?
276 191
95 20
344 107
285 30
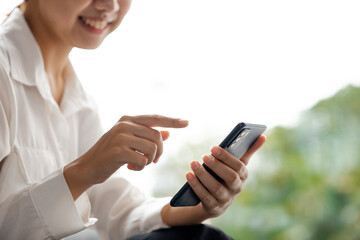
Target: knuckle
238 165
159 151
144 161
125 118
244 173
239 188
120 138
233 177
213 206
141 163
149 152
153 147
117 151
157 135
121 126
209 201
219 191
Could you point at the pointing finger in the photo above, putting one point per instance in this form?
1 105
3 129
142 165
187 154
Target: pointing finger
156 121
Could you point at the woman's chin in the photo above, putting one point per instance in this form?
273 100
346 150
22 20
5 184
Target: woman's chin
89 44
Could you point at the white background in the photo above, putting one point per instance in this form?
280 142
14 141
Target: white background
216 63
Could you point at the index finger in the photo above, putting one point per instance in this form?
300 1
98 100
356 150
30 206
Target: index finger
156 121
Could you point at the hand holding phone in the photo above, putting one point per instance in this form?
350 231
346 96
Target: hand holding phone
239 140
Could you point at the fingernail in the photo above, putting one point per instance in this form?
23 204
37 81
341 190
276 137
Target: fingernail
215 150
195 165
183 122
207 159
190 176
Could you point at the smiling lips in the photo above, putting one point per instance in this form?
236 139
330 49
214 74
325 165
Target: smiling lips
97 24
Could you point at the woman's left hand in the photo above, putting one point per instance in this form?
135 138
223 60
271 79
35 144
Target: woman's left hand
217 196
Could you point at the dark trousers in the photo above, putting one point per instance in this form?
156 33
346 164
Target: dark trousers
194 232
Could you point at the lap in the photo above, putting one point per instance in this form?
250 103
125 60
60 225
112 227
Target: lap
194 232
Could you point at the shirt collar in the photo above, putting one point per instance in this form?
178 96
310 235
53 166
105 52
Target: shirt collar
27 65
26 62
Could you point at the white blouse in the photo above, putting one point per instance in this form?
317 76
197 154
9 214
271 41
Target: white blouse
38 137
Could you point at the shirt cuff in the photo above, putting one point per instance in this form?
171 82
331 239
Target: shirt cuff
57 210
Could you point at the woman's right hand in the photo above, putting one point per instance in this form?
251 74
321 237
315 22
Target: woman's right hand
132 141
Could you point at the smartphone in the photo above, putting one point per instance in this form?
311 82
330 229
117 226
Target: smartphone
237 143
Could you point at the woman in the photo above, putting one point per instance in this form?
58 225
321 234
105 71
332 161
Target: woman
55 159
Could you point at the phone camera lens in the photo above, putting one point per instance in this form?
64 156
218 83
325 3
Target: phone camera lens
240 137
244 133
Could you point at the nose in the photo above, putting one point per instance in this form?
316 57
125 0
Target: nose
107 5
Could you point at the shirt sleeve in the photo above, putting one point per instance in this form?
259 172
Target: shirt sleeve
34 212
122 210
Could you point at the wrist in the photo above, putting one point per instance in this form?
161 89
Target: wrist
76 178
180 216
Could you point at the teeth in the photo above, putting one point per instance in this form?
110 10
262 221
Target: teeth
98 24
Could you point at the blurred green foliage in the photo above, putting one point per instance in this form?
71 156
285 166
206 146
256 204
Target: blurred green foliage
303 184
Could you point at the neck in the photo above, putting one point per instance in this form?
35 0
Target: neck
55 52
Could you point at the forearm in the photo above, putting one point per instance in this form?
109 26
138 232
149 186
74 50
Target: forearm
180 216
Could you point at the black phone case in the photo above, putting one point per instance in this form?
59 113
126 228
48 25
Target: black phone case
186 196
